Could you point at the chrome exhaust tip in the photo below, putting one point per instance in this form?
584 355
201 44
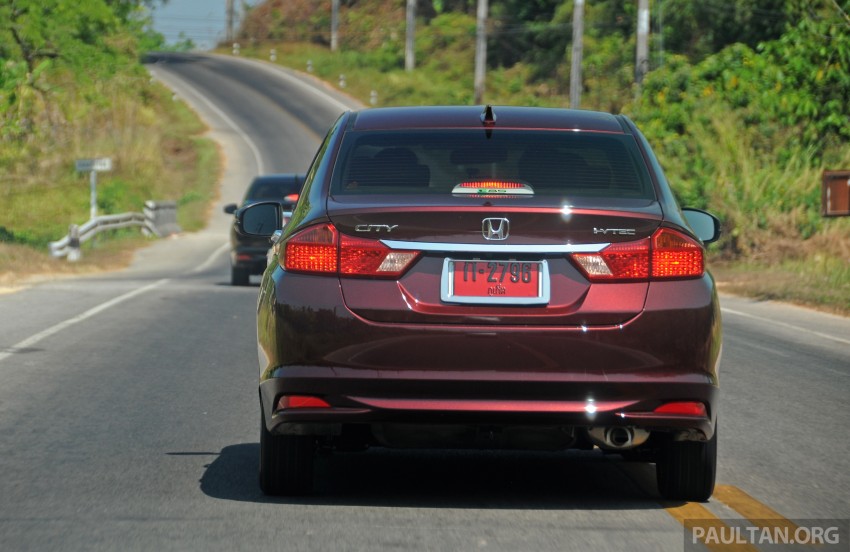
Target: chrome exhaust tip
617 437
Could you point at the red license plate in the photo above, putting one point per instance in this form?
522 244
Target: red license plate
483 281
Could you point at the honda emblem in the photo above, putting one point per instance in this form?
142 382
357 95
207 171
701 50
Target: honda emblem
495 228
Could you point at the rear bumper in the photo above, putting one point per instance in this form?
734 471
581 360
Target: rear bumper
381 373
440 398
252 259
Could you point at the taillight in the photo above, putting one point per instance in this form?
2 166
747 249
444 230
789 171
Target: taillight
667 254
619 261
362 257
313 250
323 250
675 255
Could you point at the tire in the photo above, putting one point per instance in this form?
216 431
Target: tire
239 276
686 470
286 463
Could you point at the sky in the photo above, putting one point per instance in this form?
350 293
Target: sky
203 21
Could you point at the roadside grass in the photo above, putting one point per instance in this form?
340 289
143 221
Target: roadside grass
20 264
158 152
821 282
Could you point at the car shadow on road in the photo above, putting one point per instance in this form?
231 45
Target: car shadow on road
449 479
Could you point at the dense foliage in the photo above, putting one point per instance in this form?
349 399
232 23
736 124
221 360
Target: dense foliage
745 101
45 43
746 130
71 87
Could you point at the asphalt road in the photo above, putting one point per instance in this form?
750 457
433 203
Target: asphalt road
128 404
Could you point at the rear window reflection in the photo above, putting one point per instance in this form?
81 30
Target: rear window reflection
433 162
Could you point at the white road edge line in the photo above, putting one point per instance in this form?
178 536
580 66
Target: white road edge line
206 264
32 340
261 169
784 325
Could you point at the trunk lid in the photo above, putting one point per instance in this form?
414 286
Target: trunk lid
493 246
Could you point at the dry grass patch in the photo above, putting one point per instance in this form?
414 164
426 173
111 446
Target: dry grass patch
21 265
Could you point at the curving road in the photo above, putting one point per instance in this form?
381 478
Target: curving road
128 403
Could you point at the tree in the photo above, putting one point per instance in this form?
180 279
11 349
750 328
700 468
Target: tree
697 29
39 38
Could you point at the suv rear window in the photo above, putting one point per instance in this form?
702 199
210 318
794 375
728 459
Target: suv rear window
552 163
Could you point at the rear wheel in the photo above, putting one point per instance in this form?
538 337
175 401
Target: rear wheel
286 463
686 469
239 276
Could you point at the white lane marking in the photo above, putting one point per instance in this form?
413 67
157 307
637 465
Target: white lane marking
784 325
236 128
206 264
32 340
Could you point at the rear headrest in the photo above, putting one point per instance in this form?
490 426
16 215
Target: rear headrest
394 166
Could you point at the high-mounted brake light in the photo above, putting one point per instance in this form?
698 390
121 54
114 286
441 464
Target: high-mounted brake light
291 198
323 250
668 254
493 187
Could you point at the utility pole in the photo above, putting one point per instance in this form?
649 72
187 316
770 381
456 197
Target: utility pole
642 51
334 25
480 51
578 49
660 27
410 39
229 8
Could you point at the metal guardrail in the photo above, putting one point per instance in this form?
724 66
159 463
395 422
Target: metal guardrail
69 246
159 219
162 216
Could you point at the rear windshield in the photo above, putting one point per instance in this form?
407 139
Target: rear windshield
272 188
551 163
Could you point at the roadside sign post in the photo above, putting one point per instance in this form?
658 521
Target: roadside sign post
93 166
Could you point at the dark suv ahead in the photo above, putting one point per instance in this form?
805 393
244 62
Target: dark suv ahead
247 253
496 277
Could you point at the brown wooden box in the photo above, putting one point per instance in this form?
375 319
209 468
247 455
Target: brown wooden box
835 198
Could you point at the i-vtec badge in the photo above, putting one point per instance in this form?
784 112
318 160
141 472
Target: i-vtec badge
375 228
614 231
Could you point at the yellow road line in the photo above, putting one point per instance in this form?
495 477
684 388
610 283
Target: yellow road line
756 512
700 517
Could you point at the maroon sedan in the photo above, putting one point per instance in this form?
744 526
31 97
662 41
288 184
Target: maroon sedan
498 277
